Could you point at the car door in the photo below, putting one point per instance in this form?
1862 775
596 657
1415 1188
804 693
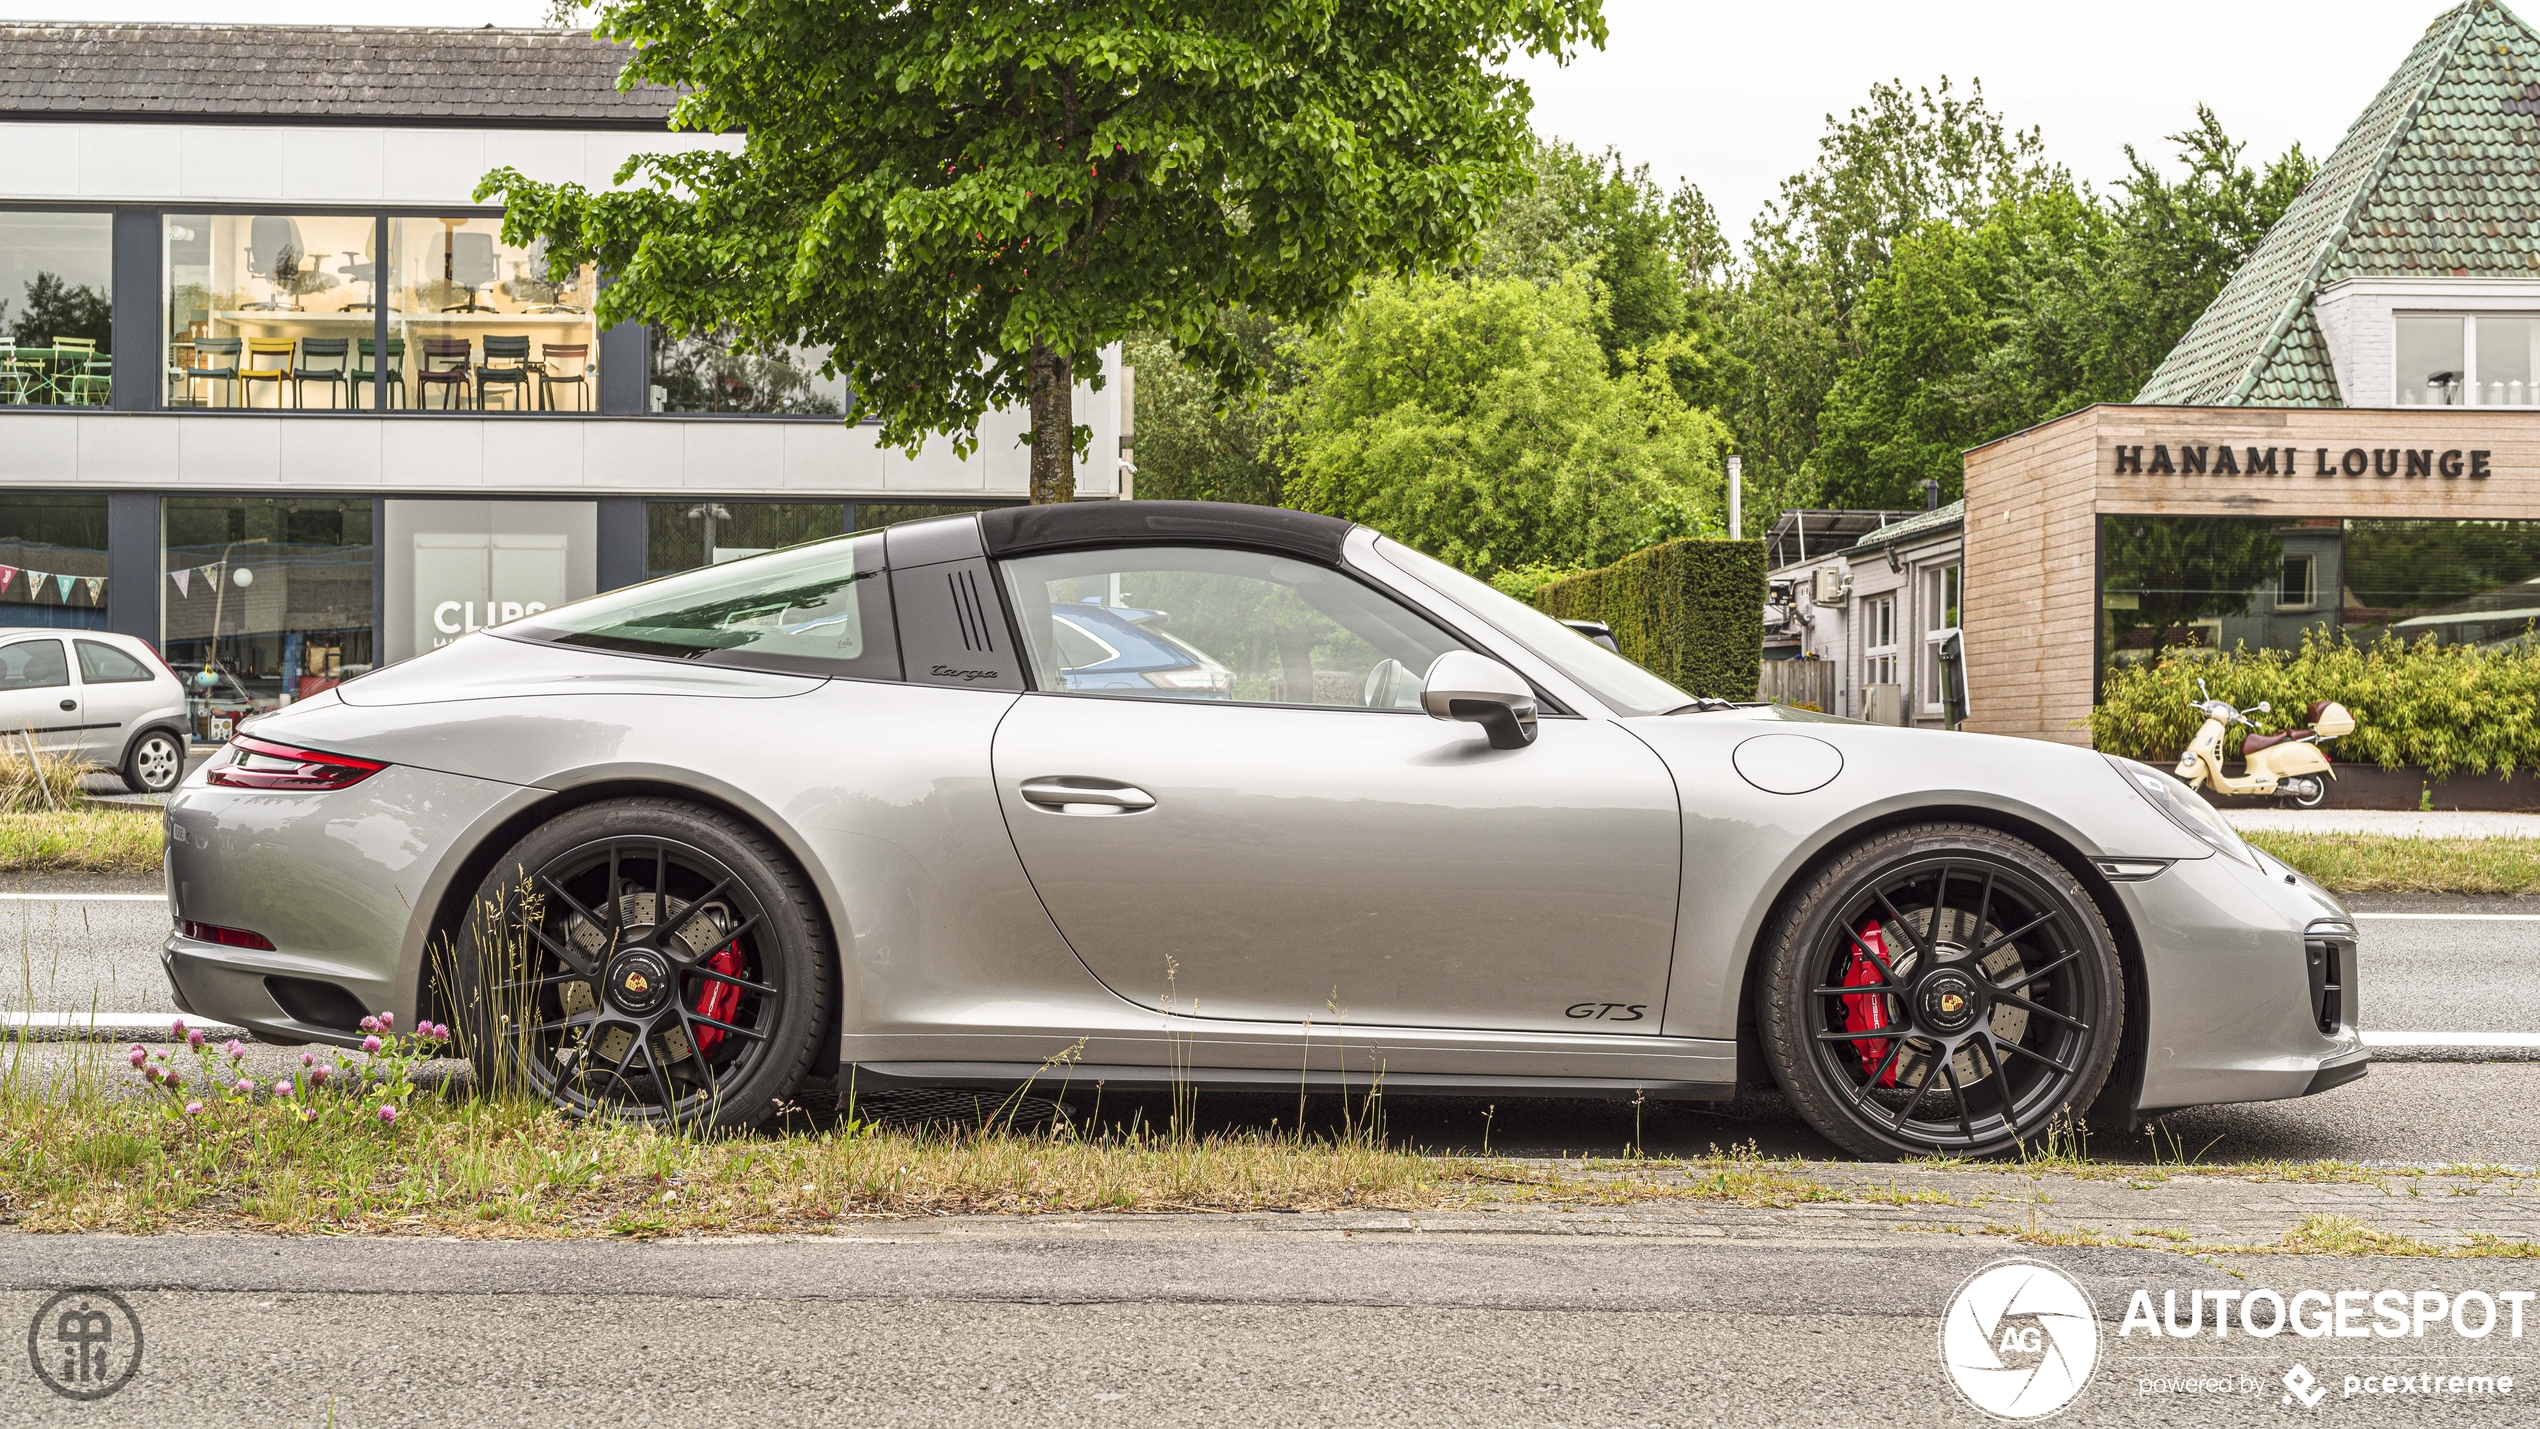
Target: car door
1241 811
115 689
36 695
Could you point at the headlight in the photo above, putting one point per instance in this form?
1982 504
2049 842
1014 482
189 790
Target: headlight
2181 806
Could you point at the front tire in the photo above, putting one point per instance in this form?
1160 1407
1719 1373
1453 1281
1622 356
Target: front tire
1943 989
155 763
645 958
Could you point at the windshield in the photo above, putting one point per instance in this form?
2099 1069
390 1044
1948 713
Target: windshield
814 609
1625 687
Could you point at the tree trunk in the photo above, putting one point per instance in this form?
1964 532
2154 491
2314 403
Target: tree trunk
1052 380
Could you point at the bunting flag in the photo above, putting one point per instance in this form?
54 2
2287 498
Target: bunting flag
184 582
7 574
34 584
96 589
211 575
65 586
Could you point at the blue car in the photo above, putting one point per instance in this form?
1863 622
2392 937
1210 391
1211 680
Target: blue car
1104 647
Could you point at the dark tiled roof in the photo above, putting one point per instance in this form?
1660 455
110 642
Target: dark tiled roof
320 74
2440 177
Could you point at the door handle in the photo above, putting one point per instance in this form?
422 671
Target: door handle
1067 794
70 704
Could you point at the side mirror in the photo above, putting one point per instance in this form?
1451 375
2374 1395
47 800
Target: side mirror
2263 707
1474 688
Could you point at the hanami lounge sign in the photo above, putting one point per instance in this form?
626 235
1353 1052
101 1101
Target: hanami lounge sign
2159 459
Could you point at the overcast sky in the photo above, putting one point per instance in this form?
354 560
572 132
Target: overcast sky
1733 97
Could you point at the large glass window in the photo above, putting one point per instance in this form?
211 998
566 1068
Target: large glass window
683 535
819 609
704 373
281 311
53 560
1940 621
56 308
477 323
457 566
2479 360
266 601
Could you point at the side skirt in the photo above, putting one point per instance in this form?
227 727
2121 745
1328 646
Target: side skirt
1009 1076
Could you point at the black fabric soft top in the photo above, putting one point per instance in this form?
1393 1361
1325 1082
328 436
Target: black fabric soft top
1015 530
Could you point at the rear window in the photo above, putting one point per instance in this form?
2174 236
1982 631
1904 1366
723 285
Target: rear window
821 608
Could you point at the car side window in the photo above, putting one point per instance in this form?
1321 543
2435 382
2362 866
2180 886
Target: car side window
33 665
102 664
820 608
1204 623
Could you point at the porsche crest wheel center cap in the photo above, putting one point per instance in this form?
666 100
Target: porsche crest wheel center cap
639 981
1947 1002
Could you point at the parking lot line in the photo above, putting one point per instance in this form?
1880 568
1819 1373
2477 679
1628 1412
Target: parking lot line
2451 1039
111 1022
2454 917
83 898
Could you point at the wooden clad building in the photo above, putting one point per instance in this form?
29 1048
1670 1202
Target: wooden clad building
2346 443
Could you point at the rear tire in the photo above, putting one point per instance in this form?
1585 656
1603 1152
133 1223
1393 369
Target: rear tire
1942 989
2304 791
647 912
155 763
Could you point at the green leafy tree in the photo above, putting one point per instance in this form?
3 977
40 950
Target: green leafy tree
1482 423
57 308
2182 239
968 202
1195 443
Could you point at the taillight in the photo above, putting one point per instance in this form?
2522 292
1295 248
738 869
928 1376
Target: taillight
252 763
226 937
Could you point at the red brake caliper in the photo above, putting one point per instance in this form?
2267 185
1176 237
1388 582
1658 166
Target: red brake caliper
1862 1011
720 1000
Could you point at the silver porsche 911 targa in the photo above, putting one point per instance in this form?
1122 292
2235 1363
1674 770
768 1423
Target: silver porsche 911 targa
1232 796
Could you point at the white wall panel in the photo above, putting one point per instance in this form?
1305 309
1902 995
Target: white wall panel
547 155
335 165
43 160
128 451
230 451
228 161
437 454
734 453
127 160
632 455
434 165
533 456
329 453
37 450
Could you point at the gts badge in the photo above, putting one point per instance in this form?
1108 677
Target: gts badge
1606 1011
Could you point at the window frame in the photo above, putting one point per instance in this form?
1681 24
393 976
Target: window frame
1878 615
2309 598
2471 383
1939 581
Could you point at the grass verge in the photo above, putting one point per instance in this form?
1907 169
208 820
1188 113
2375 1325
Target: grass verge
2380 863
93 838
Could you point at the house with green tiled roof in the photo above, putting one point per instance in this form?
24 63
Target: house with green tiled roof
2431 201
2344 445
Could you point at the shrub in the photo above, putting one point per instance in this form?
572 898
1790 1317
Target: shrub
2445 708
1687 611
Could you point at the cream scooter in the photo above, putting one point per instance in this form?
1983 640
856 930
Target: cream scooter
2291 763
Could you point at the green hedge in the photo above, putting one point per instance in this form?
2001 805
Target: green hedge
1689 611
2445 708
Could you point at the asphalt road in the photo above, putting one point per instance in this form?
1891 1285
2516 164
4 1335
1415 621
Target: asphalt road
1164 1320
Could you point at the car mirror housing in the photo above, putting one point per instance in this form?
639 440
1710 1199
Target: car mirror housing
1474 688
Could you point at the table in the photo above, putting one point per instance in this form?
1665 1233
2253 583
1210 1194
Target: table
48 376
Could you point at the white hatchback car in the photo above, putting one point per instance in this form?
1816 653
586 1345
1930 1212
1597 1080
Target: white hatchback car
86 694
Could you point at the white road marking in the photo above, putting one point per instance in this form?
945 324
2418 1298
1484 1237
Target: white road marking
2455 917
83 898
2452 1039
115 1022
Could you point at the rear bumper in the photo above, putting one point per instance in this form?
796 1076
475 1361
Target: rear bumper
345 885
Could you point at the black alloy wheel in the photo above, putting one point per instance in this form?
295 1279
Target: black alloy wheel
1943 989
645 959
